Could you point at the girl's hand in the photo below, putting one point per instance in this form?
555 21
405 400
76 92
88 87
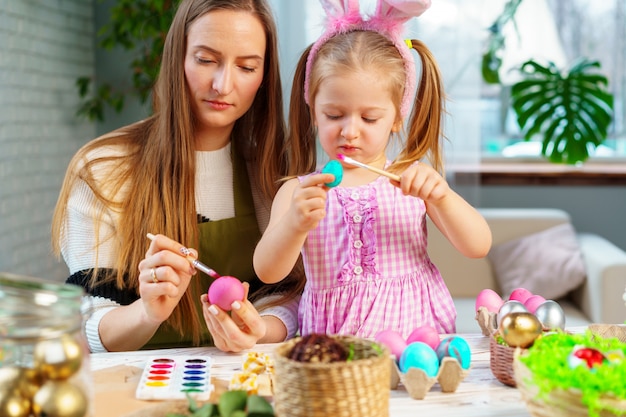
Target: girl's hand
308 204
240 330
164 275
421 180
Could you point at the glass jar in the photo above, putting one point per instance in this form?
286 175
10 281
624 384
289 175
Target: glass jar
44 358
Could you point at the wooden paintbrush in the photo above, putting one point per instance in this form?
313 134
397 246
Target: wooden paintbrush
351 161
194 262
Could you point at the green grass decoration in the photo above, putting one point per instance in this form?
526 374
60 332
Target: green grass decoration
547 361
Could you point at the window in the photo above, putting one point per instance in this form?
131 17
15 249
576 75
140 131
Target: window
567 30
481 125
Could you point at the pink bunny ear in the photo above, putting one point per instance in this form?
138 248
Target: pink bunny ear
341 14
402 9
339 7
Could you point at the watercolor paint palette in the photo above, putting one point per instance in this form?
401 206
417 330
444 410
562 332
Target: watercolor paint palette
172 378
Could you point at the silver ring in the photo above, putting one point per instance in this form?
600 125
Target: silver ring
154 276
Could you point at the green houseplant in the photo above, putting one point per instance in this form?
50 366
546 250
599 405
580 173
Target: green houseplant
570 110
138 26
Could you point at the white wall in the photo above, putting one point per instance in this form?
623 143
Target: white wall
44 46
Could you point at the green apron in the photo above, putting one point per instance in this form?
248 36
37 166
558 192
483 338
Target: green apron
226 246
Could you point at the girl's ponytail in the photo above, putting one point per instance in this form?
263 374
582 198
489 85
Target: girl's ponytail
425 123
301 136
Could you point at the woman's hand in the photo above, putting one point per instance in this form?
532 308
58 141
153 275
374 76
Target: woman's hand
164 275
235 332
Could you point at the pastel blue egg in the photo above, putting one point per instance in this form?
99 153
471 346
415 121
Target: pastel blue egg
419 355
455 347
333 167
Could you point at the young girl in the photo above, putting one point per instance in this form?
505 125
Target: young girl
364 242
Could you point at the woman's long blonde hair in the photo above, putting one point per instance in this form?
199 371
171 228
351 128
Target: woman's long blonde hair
156 172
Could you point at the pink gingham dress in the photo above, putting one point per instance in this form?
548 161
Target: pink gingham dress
368 269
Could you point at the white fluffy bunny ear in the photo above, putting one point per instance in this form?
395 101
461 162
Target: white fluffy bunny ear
338 8
400 10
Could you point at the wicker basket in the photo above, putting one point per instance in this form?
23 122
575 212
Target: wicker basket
501 361
359 387
559 403
609 330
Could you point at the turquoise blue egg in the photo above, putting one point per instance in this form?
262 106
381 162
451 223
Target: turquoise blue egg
419 355
333 167
455 347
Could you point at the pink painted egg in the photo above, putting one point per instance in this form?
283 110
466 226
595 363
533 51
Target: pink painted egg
533 302
426 334
489 299
224 291
392 340
520 294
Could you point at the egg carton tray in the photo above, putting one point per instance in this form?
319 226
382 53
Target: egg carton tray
486 321
417 383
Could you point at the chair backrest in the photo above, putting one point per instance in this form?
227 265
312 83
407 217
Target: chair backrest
467 277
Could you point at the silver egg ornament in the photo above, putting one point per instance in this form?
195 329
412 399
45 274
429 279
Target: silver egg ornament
511 306
551 315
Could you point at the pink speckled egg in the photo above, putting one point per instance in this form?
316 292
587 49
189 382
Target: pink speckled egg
520 294
533 302
426 334
392 340
489 299
224 291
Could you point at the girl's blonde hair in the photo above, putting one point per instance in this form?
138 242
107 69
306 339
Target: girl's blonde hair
156 171
364 50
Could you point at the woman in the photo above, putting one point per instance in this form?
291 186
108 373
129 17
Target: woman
202 171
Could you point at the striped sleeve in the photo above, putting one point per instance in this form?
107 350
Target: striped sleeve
287 313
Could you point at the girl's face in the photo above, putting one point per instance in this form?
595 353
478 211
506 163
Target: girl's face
223 68
355 116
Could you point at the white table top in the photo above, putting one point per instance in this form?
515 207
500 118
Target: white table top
480 393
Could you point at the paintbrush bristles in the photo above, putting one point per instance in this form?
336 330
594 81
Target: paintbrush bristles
351 161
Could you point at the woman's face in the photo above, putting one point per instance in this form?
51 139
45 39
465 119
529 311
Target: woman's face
224 68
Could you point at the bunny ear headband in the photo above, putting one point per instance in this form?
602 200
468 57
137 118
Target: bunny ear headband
344 16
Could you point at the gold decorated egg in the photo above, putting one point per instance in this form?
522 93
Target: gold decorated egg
58 358
13 403
30 382
60 399
23 380
520 329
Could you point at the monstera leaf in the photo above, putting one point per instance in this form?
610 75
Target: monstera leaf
571 111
